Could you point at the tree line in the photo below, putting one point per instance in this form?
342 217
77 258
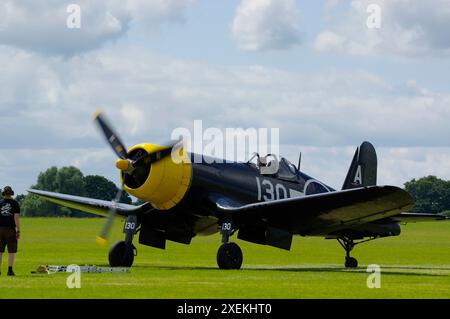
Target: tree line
432 194
67 180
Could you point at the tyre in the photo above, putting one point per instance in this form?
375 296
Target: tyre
229 256
351 262
121 254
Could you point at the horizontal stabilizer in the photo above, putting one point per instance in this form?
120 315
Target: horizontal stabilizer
418 217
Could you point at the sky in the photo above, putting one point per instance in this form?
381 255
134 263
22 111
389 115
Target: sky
329 74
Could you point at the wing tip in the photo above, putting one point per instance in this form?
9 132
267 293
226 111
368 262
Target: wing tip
32 191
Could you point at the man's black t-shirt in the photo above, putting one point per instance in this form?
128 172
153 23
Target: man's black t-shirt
8 207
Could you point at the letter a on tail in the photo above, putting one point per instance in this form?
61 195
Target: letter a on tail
363 169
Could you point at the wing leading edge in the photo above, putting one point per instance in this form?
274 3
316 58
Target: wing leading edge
88 205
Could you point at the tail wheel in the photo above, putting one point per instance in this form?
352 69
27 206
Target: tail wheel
229 256
121 254
351 262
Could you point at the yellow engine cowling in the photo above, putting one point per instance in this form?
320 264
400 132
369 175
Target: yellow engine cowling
167 182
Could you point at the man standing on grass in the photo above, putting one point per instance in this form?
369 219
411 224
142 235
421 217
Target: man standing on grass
9 227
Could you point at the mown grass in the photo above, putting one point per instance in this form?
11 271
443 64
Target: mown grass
415 264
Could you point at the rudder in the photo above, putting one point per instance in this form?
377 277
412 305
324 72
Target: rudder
363 169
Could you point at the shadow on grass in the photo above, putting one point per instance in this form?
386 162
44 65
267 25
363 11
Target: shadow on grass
391 270
417 268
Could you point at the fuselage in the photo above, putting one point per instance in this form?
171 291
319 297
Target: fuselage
244 183
240 183
186 192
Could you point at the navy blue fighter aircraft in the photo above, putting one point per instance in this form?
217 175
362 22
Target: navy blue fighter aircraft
266 206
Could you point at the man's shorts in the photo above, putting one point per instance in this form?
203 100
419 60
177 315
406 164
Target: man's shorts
8 238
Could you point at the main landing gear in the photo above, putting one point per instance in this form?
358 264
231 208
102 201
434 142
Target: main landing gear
229 255
123 252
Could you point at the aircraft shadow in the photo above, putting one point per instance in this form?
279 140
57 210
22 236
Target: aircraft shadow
386 270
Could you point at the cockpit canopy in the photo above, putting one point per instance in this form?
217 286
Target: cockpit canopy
284 169
287 171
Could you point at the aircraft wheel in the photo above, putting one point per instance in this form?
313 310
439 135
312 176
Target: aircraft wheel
120 255
229 256
351 262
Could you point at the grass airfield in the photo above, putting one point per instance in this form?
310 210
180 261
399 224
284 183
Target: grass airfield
415 264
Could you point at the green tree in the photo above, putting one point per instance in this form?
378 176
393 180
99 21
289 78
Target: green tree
432 194
33 206
70 180
66 180
100 187
20 198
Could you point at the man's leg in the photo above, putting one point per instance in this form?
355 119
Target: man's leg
2 248
3 243
10 264
12 249
11 259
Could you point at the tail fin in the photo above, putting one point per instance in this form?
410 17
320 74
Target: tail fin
363 170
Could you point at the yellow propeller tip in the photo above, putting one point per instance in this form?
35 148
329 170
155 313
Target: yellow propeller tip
96 114
100 241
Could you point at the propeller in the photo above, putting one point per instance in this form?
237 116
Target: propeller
104 234
121 151
126 165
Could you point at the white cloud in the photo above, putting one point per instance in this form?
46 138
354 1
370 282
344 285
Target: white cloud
55 97
266 25
328 40
154 12
134 118
21 167
41 25
408 28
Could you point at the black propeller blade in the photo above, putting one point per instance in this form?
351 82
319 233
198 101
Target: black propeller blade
119 148
111 137
104 234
